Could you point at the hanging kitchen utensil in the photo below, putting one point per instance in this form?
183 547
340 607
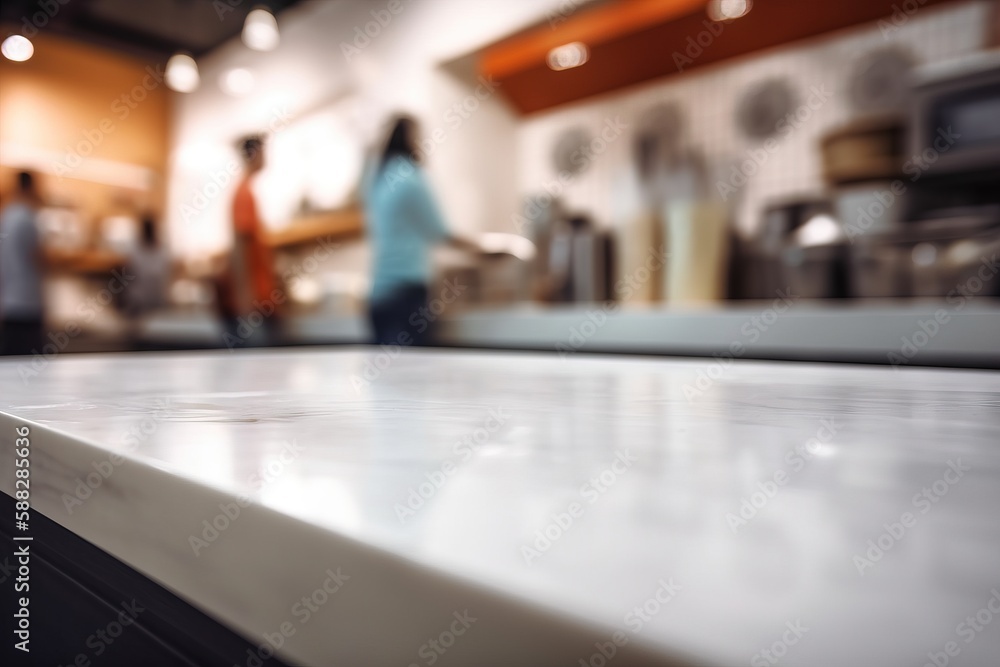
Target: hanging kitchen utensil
658 134
763 106
880 82
571 151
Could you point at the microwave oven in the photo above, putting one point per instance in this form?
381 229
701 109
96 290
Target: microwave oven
955 123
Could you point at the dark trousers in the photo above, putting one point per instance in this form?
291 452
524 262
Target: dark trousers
21 336
396 318
240 332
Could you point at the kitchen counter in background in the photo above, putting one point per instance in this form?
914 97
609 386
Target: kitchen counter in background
957 333
807 331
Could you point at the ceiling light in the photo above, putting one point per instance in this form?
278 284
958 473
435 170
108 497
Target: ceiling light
260 31
237 82
727 10
568 56
182 73
17 48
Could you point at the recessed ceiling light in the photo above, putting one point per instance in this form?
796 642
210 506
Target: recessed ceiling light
727 10
237 82
182 73
568 56
17 48
260 30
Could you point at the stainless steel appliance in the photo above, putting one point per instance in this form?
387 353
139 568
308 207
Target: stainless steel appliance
946 192
579 262
955 122
800 249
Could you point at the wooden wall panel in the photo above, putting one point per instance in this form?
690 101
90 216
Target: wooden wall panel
73 108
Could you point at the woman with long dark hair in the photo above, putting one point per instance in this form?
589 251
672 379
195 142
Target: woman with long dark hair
404 223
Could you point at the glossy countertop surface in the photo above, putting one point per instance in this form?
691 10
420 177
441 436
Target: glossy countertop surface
827 514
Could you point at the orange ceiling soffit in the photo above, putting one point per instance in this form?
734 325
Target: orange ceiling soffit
598 25
634 41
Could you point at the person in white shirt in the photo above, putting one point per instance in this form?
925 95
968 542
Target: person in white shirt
150 266
150 271
21 304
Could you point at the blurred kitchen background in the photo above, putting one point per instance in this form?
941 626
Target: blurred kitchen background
695 164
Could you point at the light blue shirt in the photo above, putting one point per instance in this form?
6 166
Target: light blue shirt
403 224
20 275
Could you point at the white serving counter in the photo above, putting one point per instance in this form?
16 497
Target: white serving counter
929 332
918 333
708 512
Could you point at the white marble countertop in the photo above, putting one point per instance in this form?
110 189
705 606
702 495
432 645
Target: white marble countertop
741 494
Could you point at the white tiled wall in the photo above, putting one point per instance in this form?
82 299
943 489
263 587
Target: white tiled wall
709 98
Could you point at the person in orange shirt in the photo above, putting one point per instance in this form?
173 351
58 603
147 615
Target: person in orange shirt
251 299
